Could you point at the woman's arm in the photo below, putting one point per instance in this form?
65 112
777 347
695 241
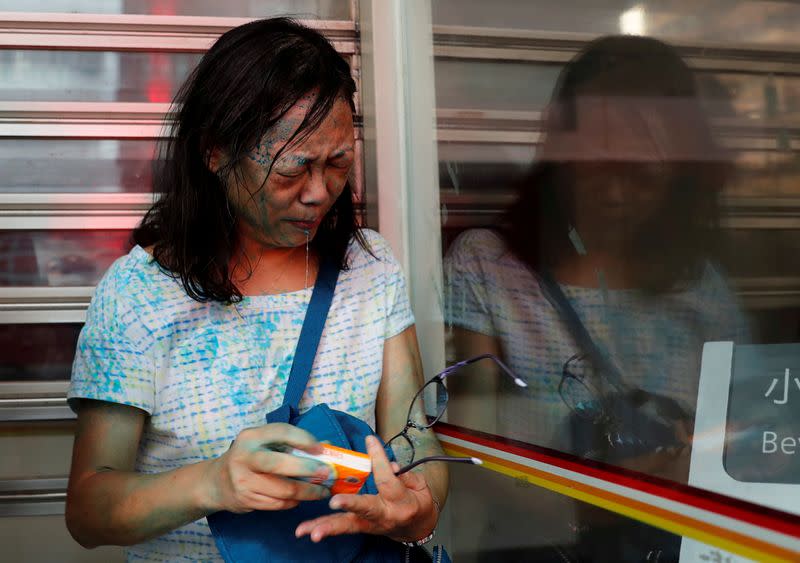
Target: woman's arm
402 378
109 503
404 508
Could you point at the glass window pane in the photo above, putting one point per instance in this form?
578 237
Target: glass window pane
37 352
631 218
763 253
758 98
501 518
111 76
316 9
473 84
765 174
482 167
58 258
75 165
745 21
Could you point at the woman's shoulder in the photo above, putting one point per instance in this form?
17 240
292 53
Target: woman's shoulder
475 247
134 270
133 282
481 241
374 250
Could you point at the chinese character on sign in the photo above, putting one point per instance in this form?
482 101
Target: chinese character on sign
774 383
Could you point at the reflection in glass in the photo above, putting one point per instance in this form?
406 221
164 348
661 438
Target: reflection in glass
75 165
31 352
605 271
462 84
58 258
745 21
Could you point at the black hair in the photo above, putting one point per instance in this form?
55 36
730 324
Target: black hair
242 87
677 243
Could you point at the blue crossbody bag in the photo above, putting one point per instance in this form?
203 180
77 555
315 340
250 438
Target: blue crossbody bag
268 536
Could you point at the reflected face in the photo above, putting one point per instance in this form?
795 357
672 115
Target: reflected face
623 154
630 192
280 207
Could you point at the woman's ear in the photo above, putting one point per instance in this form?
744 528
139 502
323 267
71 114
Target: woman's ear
215 159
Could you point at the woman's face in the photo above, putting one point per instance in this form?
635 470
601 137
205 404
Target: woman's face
281 207
621 166
617 198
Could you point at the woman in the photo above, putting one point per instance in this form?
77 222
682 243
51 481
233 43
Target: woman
619 213
190 337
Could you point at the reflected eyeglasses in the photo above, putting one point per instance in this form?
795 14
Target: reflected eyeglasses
442 396
597 400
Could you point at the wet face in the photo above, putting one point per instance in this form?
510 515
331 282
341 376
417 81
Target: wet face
279 208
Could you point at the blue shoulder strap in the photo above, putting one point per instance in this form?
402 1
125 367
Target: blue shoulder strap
554 294
310 334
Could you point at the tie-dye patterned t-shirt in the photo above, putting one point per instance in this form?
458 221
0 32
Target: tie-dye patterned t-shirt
205 371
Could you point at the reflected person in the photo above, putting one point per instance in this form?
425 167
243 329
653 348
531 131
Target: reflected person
600 286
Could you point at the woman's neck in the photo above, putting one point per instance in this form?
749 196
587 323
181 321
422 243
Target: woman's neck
262 270
583 271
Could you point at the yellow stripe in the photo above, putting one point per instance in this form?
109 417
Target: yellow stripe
655 516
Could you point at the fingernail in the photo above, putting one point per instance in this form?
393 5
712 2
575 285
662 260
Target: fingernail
371 441
322 472
335 504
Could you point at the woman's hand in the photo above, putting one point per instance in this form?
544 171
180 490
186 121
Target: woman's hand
403 509
252 476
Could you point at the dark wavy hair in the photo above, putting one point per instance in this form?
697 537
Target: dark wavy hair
677 243
242 87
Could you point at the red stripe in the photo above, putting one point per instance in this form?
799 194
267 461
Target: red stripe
731 507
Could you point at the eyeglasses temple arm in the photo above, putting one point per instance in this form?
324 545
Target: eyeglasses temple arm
470 460
448 371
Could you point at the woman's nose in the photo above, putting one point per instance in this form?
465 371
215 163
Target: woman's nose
314 190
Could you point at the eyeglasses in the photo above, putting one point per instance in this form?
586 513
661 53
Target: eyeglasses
602 402
578 389
402 444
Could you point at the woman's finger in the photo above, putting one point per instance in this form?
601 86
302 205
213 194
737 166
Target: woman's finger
413 480
285 489
278 434
277 463
264 502
389 486
333 525
368 507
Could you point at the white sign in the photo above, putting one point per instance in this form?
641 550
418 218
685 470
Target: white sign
747 431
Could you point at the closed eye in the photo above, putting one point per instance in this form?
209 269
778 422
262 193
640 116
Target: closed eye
342 160
291 173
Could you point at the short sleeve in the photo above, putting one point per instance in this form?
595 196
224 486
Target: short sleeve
467 303
113 360
398 313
